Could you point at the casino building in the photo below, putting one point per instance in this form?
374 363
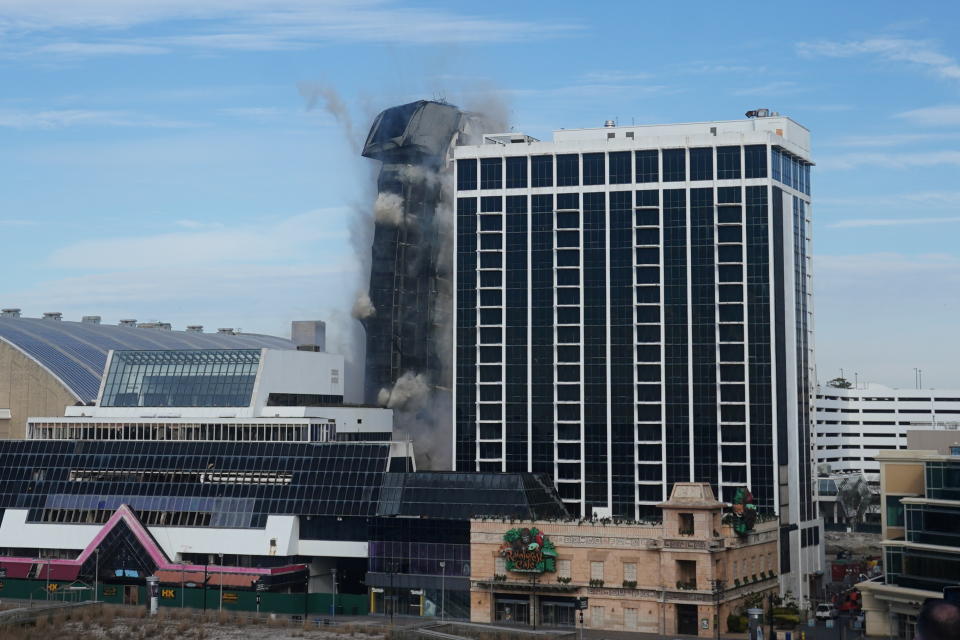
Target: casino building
243 467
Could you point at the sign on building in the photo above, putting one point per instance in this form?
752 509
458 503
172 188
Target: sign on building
528 550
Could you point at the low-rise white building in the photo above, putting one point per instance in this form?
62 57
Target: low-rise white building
853 425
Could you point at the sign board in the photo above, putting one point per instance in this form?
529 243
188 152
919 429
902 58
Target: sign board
416 592
528 550
376 589
582 603
258 598
109 591
168 594
261 586
3 572
229 597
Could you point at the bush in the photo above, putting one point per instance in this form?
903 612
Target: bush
736 624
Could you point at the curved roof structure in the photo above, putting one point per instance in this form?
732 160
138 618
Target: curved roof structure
76 352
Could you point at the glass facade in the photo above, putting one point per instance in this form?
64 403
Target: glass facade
198 378
215 484
632 329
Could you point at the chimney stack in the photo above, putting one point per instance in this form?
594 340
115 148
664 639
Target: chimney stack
128 323
90 320
228 331
10 313
194 328
53 315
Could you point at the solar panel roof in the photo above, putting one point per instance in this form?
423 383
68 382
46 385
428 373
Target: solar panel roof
76 352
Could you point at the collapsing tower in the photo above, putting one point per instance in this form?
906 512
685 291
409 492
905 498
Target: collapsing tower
408 310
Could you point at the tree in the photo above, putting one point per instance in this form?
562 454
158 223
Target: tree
840 383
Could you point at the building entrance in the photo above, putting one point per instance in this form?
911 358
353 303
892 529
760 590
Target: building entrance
512 609
557 612
687 619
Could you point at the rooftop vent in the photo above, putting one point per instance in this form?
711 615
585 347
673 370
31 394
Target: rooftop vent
758 113
609 123
165 326
10 313
53 315
128 323
90 320
227 331
195 328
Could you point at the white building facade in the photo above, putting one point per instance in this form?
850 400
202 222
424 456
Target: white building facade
634 310
853 425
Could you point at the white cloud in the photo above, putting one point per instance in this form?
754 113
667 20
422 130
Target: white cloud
57 119
890 160
889 222
889 139
86 49
259 25
926 199
946 115
920 52
267 240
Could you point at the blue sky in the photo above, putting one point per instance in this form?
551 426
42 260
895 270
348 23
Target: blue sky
159 161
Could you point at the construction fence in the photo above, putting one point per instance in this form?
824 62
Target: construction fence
189 597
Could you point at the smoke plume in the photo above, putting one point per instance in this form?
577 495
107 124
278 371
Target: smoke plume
363 306
388 209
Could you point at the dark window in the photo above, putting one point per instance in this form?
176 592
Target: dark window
593 170
568 170
648 198
491 241
755 160
674 165
541 171
621 169
466 175
728 195
701 163
731 293
568 202
491 204
729 214
491 173
648 275
648 167
489 260
517 172
568 219
728 163
491 223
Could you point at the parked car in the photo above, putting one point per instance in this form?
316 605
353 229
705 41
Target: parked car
825 612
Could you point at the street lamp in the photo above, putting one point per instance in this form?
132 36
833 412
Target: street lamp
96 575
533 600
443 589
718 586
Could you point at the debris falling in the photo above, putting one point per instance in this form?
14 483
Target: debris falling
407 313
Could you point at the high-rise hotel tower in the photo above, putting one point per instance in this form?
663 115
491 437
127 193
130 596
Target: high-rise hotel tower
634 310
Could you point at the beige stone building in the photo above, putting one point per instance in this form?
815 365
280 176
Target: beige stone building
654 578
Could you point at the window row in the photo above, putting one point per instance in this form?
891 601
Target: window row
623 167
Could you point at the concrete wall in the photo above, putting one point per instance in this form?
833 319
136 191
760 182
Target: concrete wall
27 389
933 440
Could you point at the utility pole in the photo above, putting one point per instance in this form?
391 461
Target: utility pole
221 581
48 578
443 589
96 576
334 573
206 566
